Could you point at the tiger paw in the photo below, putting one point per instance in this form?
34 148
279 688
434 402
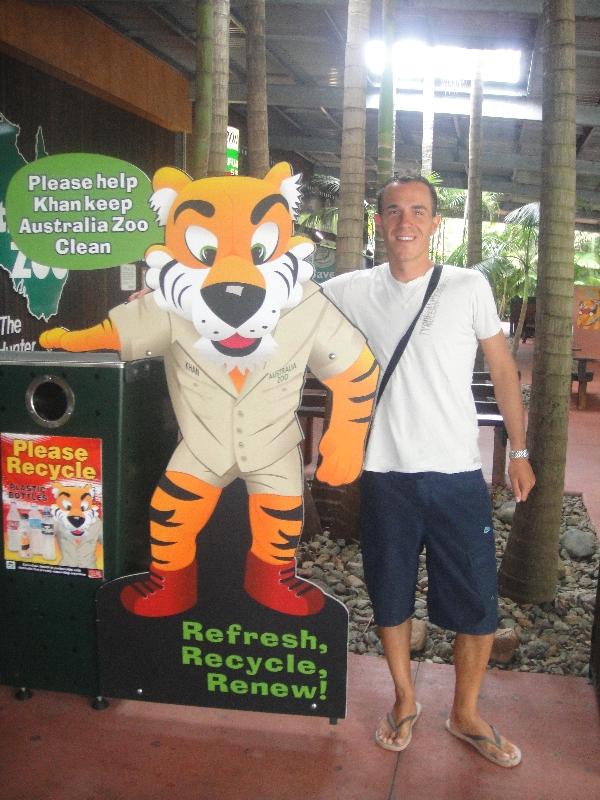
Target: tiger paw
50 339
162 593
278 587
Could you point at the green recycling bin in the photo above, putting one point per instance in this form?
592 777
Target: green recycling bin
84 438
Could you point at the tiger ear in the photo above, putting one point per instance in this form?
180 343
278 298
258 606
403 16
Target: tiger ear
288 184
167 183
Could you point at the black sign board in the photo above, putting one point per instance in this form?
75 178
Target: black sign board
228 651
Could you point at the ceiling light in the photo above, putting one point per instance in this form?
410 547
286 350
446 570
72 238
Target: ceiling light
412 57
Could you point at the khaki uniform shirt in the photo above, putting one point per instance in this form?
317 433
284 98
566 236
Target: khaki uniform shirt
258 426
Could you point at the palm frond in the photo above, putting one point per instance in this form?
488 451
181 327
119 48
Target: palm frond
528 216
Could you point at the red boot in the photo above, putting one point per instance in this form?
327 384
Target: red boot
277 586
163 593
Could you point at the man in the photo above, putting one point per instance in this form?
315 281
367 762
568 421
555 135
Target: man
422 484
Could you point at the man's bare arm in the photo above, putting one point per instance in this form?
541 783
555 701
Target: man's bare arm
507 385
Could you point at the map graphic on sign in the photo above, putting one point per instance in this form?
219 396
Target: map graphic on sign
42 286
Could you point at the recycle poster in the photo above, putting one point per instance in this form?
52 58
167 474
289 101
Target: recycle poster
52 504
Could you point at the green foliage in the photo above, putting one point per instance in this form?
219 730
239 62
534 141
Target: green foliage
587 259
325 219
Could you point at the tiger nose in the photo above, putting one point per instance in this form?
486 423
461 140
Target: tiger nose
234 303
76 522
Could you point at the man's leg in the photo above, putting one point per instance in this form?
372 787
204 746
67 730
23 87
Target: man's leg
391 537
396 647
471 656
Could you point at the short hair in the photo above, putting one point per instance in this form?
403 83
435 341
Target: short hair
400 179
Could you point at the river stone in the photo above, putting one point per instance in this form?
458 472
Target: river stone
578 543
418 635
506 511
505 644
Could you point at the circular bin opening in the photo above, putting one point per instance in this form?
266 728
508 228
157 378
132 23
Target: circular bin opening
50 401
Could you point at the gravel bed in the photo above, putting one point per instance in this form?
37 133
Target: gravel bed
553 637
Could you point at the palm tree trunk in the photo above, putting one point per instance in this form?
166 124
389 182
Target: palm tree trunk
349 246
428 121
386 118
203 91
529 569
523 312
474 207
217 159
256 63
522 315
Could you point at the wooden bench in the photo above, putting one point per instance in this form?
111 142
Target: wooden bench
315 406
581 376
488 415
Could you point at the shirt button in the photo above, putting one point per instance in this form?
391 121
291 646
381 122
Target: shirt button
238 430
240 444
243 458
240 414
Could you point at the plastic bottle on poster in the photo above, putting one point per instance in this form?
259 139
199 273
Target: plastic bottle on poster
35 531
48 538
13 521
25 542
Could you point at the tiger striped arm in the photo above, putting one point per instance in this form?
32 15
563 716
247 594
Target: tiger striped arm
103 336
343 443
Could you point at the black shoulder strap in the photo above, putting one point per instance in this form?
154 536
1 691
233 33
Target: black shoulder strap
401 346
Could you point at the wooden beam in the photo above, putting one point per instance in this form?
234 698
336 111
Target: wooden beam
76 47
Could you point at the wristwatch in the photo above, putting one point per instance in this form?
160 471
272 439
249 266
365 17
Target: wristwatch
518 454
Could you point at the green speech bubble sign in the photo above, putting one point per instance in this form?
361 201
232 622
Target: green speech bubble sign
81 211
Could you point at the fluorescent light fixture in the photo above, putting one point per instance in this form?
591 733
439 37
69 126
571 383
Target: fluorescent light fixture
411 58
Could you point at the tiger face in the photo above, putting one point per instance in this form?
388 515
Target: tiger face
588 315
229 264
73 507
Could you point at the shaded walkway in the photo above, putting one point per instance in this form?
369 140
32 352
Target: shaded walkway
57 748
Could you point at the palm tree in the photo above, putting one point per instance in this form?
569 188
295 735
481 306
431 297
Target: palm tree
217 159
352 166
503 264
529 569
203 93
474 209
528 218
452 204
325 219
386 117
256 62
428 120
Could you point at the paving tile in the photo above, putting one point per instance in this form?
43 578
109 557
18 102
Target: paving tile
553 719
61 749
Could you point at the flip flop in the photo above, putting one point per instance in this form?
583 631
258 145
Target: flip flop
395 728
477 741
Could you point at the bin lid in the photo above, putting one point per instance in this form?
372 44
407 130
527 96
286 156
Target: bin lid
43 357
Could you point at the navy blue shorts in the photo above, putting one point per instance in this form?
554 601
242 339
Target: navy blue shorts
448 515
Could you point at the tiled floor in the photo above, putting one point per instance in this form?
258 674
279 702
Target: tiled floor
55 747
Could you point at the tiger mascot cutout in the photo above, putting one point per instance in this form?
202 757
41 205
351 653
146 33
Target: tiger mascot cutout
237 318
78 524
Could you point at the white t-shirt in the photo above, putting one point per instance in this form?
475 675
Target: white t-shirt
426 420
